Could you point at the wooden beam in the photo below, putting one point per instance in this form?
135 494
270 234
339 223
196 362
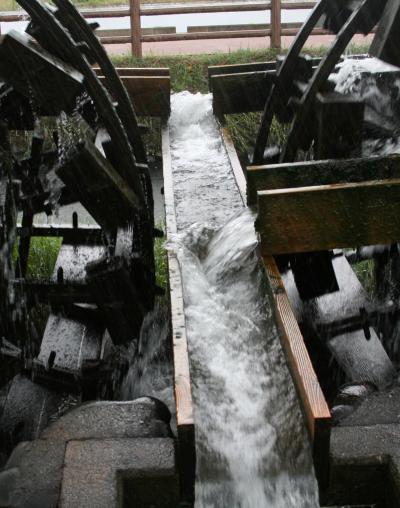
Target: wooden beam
339 125
240 92
138 71
326 172
104 193
31 69
150 94
315 407
324 217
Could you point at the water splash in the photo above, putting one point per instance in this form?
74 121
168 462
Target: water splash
251 444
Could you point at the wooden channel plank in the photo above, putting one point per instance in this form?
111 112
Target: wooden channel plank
183 392
138 71
150 94
240 92
324 217
236 166
325 172
182 382
316 410
217 70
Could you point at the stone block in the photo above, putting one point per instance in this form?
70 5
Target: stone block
143 417
33 474
120 472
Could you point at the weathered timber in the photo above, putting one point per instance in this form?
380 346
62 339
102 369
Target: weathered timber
102 191
240 92
150 95
327 172
118 299
236 166
182 382
339 118
315 407
69 343
54 292
84 235
137 71
385 43
53 34
320 76
307 219
284 74
31 69
82 32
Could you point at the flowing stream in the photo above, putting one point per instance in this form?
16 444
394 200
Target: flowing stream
252 447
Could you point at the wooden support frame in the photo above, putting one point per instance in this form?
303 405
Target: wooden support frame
325 172
323 217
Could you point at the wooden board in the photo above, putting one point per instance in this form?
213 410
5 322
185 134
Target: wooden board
326 172
315 407
182 382
235 163
138 71
240 92
324 217
217 70
150 95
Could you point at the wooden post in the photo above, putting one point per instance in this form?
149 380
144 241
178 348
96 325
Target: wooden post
136 30
276 24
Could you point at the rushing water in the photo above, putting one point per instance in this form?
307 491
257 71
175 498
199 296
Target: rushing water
252 448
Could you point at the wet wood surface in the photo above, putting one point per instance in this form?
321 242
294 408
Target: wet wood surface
324 217
182 382
38 72
240 92
95 181
316 410
324 172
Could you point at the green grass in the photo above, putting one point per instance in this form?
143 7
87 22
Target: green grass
160 259
365 273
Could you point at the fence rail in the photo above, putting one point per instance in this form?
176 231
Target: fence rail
275 30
